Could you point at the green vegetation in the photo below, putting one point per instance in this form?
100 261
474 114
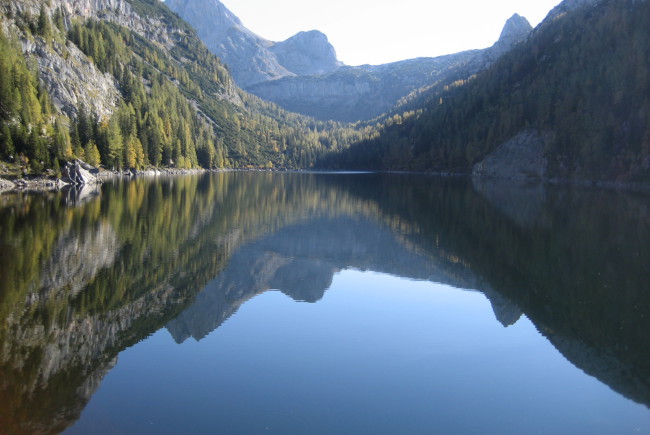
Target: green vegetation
27 132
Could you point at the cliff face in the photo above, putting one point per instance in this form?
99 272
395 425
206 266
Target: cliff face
354 93
69 76
72 80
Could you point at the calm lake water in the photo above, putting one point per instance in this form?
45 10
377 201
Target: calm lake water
245 303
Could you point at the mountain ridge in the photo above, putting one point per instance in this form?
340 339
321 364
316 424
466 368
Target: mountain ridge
314 82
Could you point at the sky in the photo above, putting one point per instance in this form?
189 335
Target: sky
382 31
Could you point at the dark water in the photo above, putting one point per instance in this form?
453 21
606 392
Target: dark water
306 304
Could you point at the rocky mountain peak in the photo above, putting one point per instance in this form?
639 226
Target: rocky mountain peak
307 53
211 18
516 29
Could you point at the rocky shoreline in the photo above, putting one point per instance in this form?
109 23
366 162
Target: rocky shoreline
79 173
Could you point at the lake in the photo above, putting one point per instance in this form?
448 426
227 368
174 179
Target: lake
291 303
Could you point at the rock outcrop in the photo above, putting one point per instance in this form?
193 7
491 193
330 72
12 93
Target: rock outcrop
520 158
80 173
72 80
302 74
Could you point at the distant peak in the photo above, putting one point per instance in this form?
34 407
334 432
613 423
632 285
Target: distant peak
516 29
307 53
310 34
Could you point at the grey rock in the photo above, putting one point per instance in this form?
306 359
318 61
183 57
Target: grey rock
516 29
70 77
246 54
6 185
520 158
302 74
307 53
72 80
79 173
251 58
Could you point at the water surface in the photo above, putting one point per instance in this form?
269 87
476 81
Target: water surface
324 303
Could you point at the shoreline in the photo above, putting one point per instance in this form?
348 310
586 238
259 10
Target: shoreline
10 183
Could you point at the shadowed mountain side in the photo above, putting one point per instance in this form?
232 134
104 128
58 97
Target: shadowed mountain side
301 261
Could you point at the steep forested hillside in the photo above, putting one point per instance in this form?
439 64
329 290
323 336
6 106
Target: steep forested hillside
160 97
580 82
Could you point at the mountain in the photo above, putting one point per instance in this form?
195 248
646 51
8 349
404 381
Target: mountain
303 75
128 84
251 58
307 53
570 102
365 92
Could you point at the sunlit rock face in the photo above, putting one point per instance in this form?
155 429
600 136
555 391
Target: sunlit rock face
70 77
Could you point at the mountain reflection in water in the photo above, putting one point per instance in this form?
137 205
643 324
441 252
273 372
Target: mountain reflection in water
86 275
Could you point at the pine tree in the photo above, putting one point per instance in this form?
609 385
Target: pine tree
44 24
91 153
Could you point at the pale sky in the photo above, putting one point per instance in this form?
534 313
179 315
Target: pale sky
382 31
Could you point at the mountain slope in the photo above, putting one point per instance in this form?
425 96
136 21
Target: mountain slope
575 94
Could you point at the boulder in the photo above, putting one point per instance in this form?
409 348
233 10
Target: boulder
80 173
